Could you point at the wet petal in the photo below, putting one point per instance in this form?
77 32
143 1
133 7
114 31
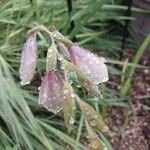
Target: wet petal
84 81
50 92
28 60
51 59
89 63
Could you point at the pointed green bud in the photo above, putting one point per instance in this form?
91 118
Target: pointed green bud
85 82
51 59
69 106
92 117
95 142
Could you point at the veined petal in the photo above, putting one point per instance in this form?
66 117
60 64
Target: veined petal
50 92
89 63
28 60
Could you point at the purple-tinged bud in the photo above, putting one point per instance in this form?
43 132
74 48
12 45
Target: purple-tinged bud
63 50
92 117
95 142
89 63
69 106
50 92
28 60
51 59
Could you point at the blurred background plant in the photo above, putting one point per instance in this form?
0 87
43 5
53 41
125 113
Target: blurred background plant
102 26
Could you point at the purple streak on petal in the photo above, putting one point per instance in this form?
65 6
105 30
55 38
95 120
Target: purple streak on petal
28 60
89 64
50 92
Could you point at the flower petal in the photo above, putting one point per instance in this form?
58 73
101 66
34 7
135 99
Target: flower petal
28 60
85 81
89 63
50 92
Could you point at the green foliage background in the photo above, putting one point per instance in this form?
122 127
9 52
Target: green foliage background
23 123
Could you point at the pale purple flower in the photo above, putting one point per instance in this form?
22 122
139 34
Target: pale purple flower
89 63
28 60
50 92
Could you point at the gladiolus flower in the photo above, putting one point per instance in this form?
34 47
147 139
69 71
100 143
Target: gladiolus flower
89 63
50 92
28 60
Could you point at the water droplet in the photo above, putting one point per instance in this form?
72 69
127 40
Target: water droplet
87 112
8 79
50 50
49 56
60 58
24 83
95 144
45 95
96 116
93 123
105 129
72 95
78 86
39 88
71 120
66 91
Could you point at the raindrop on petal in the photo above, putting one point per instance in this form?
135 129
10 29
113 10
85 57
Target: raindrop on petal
89 63
50 92
28 60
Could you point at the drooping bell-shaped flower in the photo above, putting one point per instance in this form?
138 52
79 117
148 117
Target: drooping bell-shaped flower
28 60
50 92
89 63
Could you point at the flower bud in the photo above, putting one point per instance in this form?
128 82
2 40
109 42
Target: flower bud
85 82
50 92
68 102
89 63
92 117
28 59
51 59
95 142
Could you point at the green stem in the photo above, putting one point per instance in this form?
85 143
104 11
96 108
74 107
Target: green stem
53 35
